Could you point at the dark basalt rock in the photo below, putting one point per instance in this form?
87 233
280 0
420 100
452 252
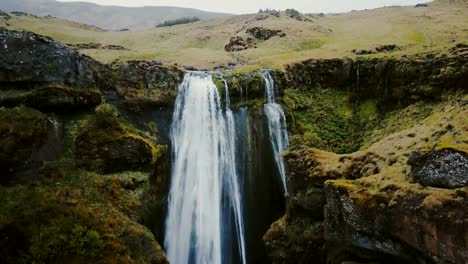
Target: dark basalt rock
28 59
443 169
403 226
264 33
22 132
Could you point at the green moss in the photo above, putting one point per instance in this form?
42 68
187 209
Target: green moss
81 217
309 44
395 121
321 119
329 119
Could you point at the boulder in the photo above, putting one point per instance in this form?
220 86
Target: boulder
264 33
22 132
28 59
446 168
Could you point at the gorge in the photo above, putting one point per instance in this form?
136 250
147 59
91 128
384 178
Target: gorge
349 159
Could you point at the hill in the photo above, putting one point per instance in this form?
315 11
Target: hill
106 17
390 31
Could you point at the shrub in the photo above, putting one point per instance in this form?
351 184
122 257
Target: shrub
179 21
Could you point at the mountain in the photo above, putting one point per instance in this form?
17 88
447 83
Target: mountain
106 17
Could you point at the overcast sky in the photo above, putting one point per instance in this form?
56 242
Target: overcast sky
252 6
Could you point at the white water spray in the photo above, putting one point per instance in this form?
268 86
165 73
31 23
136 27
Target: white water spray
204 171
276 125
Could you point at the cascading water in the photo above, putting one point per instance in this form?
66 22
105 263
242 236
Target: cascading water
276 124
205 193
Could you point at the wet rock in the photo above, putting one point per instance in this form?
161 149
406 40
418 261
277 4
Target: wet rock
244 87
264 33
22 131
289 241
154 207
147 84
107 145
444 169
238 43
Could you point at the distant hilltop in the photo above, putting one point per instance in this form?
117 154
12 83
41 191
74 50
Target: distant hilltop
106 17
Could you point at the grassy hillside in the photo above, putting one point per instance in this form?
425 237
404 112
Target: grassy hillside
106 17
435 28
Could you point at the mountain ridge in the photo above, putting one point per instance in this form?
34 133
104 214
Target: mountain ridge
106 17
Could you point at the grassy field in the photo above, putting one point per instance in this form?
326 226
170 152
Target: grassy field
435 28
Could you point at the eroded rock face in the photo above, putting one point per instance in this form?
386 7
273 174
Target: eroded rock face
22 131
404 80
106 145
367 203
397 221
145 84
444 169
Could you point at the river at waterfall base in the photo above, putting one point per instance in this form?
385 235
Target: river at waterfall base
223 193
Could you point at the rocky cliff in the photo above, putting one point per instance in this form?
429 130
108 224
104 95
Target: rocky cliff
399 195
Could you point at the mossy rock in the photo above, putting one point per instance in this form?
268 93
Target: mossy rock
52 98
106 144
23 130
80 218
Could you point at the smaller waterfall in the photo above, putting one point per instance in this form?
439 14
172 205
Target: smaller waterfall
276 124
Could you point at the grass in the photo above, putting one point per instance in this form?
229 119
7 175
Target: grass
201 45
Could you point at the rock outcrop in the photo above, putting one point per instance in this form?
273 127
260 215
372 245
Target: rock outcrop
404 80
446 168
144 84
238 43
107 145
372 206
28 59
264 33
22 132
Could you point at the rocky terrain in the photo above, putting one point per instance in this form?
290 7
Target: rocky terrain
377 171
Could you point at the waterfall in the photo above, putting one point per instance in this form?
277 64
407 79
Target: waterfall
276 124
205 194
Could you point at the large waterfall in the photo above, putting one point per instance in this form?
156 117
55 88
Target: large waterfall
205 195
276 124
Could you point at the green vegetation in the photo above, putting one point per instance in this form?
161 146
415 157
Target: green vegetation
74 215
327 119
179 21
201 44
